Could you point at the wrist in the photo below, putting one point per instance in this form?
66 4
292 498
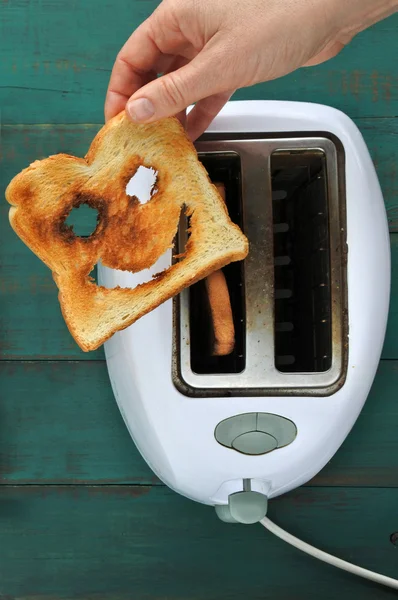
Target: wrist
357 15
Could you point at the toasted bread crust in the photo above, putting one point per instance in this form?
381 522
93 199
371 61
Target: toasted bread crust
129 235
221 314
220 306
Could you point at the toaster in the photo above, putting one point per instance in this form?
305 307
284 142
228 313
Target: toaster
309 305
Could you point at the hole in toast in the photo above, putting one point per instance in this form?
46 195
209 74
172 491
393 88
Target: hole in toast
142 184
94 275
83 220
111 278
129 276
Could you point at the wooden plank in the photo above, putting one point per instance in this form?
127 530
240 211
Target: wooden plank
381 136
31 324
59 424
22 144
56 61
118 543
390 349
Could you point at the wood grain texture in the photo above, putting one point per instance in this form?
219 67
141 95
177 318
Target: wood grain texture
56 61
381 136
390 348
59 424
119 543
31 324
127 537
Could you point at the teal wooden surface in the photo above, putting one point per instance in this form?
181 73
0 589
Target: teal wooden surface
81 515
59 424
148 543
56 58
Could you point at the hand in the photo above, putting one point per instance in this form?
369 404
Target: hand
206 49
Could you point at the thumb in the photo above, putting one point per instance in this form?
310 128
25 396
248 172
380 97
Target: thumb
173 92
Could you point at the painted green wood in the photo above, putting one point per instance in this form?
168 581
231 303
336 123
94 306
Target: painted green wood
59 423
381 136
119 543
31 324
56 60
390 348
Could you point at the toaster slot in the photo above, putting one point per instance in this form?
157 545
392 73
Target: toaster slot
303 334
223 168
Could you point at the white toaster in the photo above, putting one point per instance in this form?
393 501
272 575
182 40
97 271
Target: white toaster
310 307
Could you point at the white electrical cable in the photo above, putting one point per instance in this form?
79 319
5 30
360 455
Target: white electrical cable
328 558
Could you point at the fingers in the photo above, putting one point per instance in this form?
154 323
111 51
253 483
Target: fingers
176 63
124 82
140 60
204 112
131 70
165 96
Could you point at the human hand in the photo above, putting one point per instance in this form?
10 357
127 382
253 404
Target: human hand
205 50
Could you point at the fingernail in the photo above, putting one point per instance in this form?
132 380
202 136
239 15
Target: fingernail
140 110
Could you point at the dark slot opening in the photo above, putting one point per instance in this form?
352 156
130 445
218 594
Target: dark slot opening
225 169
303 341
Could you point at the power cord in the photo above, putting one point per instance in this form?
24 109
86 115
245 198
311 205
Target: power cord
328 558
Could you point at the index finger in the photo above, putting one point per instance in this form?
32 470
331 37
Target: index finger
135 65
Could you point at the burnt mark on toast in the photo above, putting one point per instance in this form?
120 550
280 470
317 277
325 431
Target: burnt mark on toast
129 235
133 201
93 201
161 274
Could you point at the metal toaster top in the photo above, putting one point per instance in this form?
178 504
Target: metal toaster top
289 297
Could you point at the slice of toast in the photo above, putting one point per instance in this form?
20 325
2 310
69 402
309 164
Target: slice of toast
129 236
220 306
